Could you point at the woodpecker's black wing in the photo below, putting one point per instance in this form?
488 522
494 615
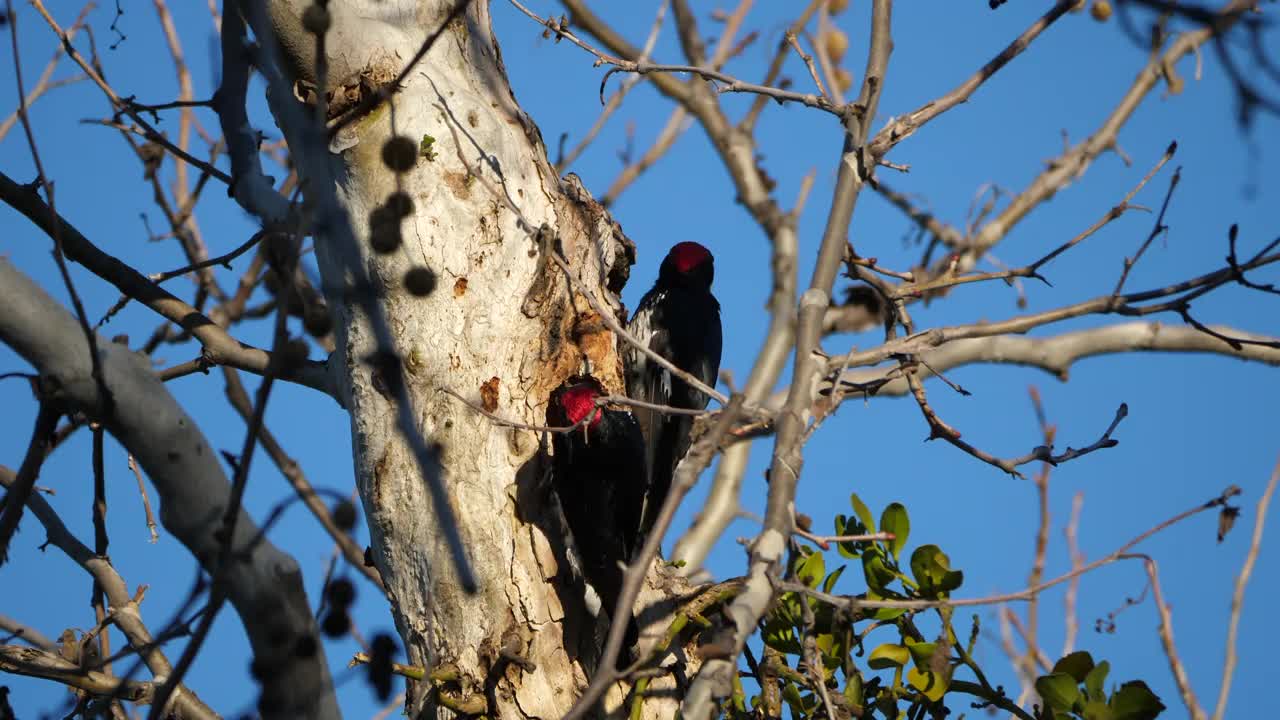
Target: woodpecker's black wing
683 326
599 478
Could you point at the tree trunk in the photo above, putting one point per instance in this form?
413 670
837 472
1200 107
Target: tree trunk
502 326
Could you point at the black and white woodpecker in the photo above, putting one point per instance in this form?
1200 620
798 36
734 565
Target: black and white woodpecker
678 319
599 478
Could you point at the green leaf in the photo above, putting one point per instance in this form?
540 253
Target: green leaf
426 147
845 527
863 512
812 569
779 629
1135 701
830 583
1097 710
853 690
1078 665
888 707
931 684
922 652
884 613
932 570
894 520
888 655
875 570
1094 681
1058 690
832 652
791 694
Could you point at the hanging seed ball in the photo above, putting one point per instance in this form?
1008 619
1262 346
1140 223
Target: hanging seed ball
316 321
315 19
335 623
1101 10
384 230
341 593
400 204
399 154
294 354
836 44
844 80
420 281
344 515
835 7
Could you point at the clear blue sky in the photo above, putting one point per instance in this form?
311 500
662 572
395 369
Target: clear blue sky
1196 423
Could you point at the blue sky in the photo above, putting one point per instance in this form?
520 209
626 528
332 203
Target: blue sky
1196 423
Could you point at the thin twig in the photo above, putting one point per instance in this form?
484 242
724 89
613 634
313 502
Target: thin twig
1166 639
824 541
223 260
906 125
1071 622
1237 595
615 101
293 474
146 502
1157 229
1115 212
16 498
808 63
59 256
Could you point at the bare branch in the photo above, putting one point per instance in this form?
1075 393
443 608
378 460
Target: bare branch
1237 596
121 104
146 502
48 665
1122 305
293 474
45 83
714 678
615 101
1071 164
20 490
1057 353
266 586
124 612
28 634
1166 639
1071 622
906 125
219 347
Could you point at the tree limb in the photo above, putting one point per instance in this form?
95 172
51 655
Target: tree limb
1056 354
124 608
265 584
714 680
219 347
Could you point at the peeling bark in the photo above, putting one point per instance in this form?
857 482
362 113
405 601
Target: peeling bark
503 326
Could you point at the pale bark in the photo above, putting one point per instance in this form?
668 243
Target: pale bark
263 583
500 314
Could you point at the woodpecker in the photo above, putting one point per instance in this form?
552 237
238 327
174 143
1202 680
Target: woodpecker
678 319
599 477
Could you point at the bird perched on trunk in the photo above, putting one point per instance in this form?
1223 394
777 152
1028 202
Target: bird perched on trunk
678 319
599 477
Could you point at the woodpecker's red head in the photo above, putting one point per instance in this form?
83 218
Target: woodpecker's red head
688 264
573 401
